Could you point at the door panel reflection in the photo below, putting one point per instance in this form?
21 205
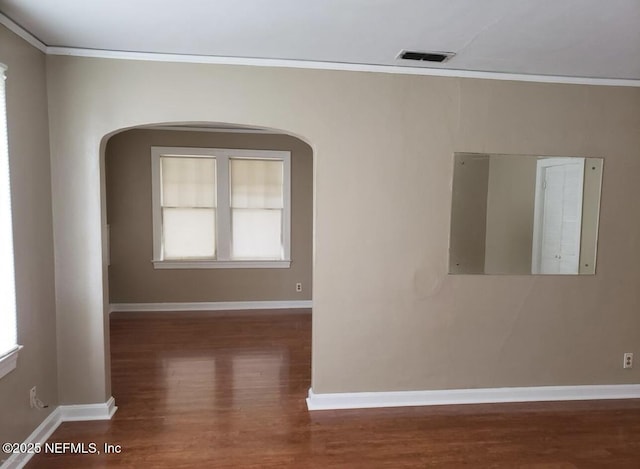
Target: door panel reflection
523 215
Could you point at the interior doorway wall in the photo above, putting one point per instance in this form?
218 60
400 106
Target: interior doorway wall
132 277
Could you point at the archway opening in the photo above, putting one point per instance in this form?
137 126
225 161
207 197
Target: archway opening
216 290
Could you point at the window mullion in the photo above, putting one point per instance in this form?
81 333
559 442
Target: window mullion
223 210
156 196
286 208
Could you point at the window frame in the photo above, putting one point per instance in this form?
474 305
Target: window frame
9 358
9 361
223 208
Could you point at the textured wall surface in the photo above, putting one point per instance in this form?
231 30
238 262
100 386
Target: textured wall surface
387 316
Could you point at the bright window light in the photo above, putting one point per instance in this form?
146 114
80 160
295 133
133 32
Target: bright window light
8 333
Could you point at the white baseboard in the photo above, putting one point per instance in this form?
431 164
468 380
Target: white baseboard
210 306
363 400
63 413
78 413
39 436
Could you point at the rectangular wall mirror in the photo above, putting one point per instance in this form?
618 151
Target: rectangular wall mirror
519 215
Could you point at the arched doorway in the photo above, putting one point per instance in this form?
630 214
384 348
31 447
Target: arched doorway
134 283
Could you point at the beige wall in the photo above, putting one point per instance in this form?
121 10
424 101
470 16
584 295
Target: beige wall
387 316
469 214
511 200
132 278
33 241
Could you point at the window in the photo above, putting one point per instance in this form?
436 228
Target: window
220 208
8 333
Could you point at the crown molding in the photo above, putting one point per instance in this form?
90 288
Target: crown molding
308 64
23 33
340 66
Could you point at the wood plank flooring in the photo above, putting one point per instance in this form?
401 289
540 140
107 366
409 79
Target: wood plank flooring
200 391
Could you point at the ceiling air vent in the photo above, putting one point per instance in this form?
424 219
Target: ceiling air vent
425 56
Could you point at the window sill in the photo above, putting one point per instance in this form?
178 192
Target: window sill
9 361
207 264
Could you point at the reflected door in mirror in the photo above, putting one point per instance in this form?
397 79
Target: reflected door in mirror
558 216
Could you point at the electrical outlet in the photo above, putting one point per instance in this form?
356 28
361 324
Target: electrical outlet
628 360
298 287
33 397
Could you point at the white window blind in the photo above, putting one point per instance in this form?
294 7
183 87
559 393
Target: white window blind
221 208
257 203
188 207
8 334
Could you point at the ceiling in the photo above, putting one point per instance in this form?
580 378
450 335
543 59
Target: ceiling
567 38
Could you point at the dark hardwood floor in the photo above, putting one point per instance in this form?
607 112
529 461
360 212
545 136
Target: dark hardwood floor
228 391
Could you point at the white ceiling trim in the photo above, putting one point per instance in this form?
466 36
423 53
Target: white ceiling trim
23 33
305 64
